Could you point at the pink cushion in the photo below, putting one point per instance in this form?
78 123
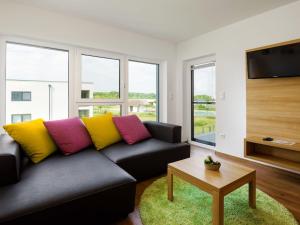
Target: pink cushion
131 128
70 135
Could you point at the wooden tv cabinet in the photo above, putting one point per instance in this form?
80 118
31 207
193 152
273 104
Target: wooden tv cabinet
282 156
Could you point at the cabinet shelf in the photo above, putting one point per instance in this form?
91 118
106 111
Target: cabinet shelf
259 140
282 156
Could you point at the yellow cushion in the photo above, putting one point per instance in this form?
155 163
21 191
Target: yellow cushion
102 130
33 138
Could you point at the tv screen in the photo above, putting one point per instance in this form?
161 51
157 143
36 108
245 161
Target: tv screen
281 61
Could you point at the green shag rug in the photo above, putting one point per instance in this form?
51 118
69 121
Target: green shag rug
191 206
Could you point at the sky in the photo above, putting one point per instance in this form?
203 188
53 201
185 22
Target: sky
204 81
33 63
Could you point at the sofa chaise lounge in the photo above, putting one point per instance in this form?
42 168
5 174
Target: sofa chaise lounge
88 187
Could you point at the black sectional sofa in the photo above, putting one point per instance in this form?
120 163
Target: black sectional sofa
89 187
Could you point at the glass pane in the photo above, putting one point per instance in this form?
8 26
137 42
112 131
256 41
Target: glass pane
26 96
26 117
89 111
100 76
16 118
40 76
142 92
16 96
204 108
85 94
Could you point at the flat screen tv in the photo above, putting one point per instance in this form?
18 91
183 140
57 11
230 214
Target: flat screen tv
281 61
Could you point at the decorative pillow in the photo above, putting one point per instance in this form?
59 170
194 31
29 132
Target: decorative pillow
70 135
33 138
131 128
102 130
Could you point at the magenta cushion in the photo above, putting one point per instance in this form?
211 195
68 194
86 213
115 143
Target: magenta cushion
131 128
70 135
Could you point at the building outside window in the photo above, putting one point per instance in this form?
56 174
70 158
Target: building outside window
43 73
85 94
20 96
84 112
17 118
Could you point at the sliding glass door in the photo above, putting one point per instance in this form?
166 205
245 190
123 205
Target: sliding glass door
203 111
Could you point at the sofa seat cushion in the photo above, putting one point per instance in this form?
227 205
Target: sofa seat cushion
64 179
147 158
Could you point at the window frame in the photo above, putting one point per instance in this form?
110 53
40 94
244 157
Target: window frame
74 76
22 100
21 115
158 77
86 92
193 68
100 54
187 107
4 40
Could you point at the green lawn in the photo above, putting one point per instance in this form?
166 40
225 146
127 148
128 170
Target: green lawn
115 110
100 110
203 125
145 116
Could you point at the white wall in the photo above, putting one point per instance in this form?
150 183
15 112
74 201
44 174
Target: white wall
38 107
31 22
229 44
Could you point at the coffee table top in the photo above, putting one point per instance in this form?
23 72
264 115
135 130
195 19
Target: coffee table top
194 167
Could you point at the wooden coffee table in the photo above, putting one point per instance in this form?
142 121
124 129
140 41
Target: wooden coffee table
217 183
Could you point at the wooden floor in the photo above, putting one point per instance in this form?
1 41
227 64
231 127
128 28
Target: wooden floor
281 185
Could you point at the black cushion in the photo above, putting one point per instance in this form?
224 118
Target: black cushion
10 158
164 131
60 181
147 158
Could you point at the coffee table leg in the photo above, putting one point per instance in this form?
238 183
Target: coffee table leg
218 209
170 185
252 192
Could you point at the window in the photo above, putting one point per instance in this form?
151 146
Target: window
84 112
16 118
20 96
85 94
101 76
35 82
96 110
101 81
203 103
143 90
43 73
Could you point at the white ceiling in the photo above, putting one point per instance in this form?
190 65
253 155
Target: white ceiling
173 20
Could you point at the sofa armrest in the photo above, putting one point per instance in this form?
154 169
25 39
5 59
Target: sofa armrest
164 131
10 157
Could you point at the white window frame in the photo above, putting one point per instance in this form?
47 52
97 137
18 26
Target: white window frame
74 76
100 54
161 94
35 43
